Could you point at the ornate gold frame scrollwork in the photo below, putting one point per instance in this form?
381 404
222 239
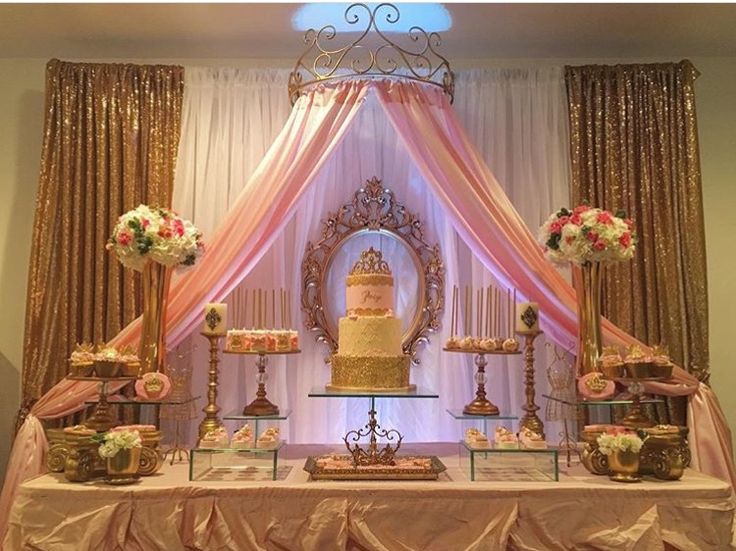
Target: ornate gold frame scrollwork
373 208
322 61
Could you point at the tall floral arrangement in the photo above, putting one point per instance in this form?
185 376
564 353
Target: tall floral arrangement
158 234
588 234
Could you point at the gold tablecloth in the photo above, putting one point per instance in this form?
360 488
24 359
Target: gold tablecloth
167 511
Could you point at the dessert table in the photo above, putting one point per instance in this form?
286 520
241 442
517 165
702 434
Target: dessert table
166 511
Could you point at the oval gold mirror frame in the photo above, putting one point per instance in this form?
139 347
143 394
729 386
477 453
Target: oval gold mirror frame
373 208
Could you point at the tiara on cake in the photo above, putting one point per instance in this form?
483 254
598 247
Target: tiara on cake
371 262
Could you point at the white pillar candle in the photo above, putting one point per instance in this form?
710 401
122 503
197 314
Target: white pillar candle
527 317
215 319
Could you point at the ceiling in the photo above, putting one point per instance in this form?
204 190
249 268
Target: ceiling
177 31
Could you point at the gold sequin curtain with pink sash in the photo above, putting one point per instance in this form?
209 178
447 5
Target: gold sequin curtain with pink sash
634 145
110 141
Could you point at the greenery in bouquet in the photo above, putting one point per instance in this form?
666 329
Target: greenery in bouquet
621 441
588 234
156 234
114 441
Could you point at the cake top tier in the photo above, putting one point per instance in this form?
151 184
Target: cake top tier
370 269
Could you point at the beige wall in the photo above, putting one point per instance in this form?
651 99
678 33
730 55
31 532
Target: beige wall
21 113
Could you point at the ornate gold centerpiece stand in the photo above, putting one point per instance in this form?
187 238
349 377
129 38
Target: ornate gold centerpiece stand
636 418
481 405
373 455
530 420
262 405
211 419
102 419
74 453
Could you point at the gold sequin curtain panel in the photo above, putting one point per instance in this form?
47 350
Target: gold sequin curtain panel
634 145
110 141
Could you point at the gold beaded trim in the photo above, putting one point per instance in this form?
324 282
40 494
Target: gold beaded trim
369 279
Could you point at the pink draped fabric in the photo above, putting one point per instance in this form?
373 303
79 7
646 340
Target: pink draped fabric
481 212
484 216
315 128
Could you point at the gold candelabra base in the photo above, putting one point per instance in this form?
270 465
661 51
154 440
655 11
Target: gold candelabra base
530 420
211 419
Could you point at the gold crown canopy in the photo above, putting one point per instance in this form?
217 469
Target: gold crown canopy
368 57
371 262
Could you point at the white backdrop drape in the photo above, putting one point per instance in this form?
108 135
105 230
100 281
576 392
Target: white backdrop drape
517 119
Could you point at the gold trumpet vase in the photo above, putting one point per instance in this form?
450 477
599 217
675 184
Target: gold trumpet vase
589 317
624 466
122 468
152 350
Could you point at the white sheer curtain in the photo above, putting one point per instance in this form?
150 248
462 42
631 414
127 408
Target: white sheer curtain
518 120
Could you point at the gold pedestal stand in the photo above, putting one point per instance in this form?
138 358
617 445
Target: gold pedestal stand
211 420
102 419
530 420
635 417
481 405
262 406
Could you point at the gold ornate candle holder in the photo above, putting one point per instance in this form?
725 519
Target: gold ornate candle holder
530 420
211 419
481 405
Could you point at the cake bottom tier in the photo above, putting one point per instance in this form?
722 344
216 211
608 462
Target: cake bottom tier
370 372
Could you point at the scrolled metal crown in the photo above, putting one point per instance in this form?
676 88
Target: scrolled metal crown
323 61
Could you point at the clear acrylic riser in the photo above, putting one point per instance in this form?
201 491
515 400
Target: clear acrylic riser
481 422
234 464
503 465
258 422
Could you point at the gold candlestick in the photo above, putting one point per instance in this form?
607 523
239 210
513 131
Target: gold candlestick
211 421
530 420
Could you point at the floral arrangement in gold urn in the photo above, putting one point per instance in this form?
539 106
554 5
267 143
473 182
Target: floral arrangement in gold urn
588 237
154 240
122 451
622 448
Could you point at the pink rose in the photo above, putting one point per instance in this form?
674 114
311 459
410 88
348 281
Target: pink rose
179 227
145 222
580 209
563 220
576 219
592 236
625 240
599 245
630 223
165 231
124 238
605 218
555 227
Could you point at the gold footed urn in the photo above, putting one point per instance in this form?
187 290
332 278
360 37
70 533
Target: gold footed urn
122 468
152 350
589 316
623 466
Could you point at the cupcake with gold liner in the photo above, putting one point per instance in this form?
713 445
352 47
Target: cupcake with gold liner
505 439
82 360
107 362
269 438
637 365
610 363
510 345
243 438
663 366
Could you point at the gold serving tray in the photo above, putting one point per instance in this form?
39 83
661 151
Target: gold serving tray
481 351
373 473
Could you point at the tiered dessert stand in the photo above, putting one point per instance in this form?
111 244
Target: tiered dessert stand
74 452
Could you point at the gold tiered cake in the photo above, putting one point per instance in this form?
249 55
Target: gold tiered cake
369 354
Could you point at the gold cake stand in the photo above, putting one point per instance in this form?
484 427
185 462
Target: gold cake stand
261 405
636 418
102 419
481 405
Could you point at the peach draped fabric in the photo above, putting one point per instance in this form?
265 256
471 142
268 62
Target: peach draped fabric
484 216
170 512
481 213
316 126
